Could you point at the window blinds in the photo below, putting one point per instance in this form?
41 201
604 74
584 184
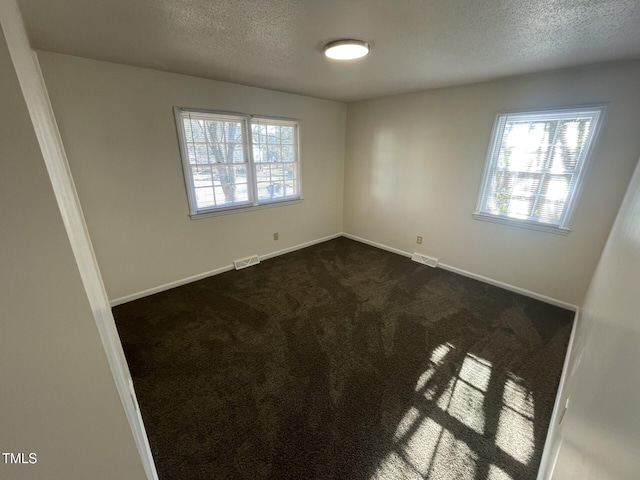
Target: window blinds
535 164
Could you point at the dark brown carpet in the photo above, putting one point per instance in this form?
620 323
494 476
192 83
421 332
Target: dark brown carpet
343 361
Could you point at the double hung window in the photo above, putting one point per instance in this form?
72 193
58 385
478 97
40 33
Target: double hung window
233 161
535 165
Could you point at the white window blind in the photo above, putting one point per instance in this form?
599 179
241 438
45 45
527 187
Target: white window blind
227 166
275 154
534 166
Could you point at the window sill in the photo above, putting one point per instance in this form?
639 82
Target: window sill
244 208
521 223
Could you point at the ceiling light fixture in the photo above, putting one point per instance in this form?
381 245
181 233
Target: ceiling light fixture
346 49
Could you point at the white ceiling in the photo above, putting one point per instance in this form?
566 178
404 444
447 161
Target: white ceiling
277 44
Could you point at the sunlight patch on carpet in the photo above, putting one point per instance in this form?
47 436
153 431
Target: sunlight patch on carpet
476 372
408 421
464 396
440 352
464 403
425 448
437 357
454 460
496 473
429 451
515 435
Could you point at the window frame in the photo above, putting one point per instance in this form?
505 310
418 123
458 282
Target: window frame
296 151
598 112
253 202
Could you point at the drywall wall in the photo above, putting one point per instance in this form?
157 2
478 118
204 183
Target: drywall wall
118 128
599 437
414 164
59 399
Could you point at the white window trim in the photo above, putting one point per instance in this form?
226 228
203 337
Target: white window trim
563 227
285 122
253 203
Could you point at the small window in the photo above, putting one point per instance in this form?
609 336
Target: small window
233 161
275 156
535 165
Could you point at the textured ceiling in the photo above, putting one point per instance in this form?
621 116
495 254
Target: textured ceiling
277 44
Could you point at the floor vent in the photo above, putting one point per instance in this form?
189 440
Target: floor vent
429 261
246 262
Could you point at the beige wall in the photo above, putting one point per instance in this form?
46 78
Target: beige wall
118 129
58 398
600 433
413 167
414 163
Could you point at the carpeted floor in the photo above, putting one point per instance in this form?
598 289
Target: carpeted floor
343 361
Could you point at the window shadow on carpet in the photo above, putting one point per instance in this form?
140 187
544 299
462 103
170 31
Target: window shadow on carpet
472 424
343 361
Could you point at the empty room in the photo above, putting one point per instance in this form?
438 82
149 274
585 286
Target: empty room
337 240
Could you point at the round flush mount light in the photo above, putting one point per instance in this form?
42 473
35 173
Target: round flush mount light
346 49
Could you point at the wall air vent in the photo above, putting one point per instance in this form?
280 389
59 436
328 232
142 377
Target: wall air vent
246 262
429 261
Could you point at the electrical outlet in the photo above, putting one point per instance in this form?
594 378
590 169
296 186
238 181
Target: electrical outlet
276 236
419 240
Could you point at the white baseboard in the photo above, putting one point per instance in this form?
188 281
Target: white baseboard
299 246
378 245
168 286
512 288
551 447
465 273
177 283
265 256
